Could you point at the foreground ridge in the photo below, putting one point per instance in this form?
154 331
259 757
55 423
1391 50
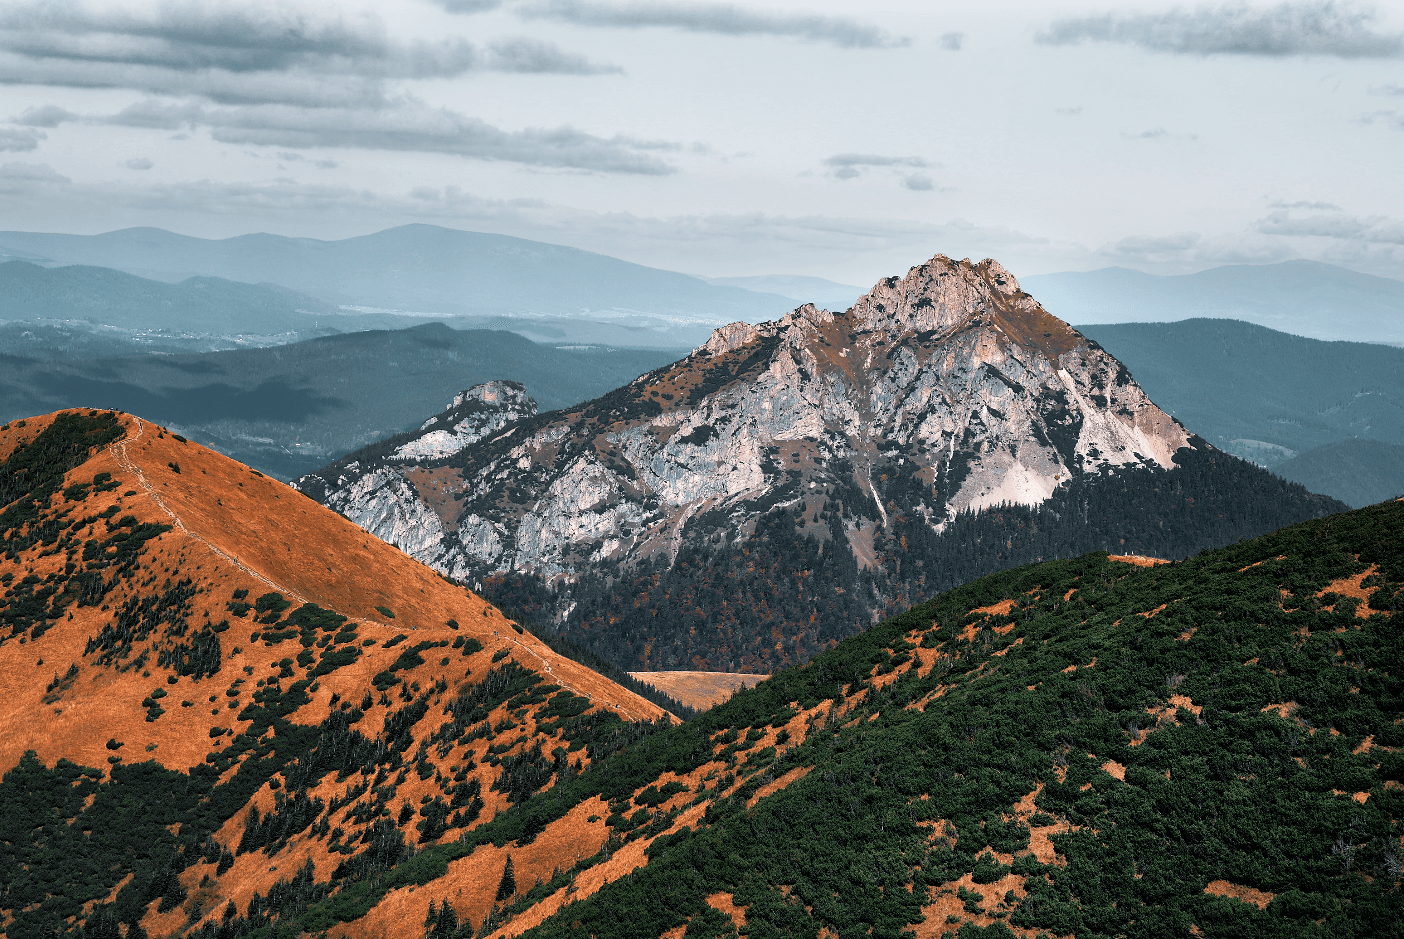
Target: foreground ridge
224 656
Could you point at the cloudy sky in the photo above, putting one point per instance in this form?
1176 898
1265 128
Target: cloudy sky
834 139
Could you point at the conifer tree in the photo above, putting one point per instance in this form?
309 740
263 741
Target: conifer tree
447 924
507 887
431 917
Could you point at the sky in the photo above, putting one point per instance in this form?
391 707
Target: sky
821 138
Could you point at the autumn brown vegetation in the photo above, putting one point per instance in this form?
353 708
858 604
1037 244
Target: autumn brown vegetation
1084 747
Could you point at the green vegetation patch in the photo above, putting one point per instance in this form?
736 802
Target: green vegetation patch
409 658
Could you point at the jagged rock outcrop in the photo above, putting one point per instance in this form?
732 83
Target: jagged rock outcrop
473 415
946 392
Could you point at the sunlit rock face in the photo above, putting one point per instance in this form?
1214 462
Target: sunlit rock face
946 390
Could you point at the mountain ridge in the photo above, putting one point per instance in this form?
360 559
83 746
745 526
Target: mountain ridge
117 595
844 445
424 268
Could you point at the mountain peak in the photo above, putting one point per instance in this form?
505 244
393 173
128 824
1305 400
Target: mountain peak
940 395
938 297
944 294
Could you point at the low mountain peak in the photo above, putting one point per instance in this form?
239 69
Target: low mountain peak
499 393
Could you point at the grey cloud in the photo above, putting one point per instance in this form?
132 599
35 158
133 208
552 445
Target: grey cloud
1159 133
291 156
140 163
1068 112
32 173
1316 27
469 6
851 165
1187 251
250 38
720 18
407 126
19 141
1154 248
1318 206
919 183
299 87
283 197
873 159
241 54
1388 90
534 56
1387 117
952 41
1375 229
159 115
50 115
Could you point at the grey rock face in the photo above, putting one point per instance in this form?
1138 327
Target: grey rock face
951 375
377 495
473 415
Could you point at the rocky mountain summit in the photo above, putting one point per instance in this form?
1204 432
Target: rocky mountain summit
834 462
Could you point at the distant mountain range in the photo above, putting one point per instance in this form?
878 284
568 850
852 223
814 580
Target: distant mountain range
550 293
103 296
1267 397
1357 471
426 270
1304 298
288 409
778 489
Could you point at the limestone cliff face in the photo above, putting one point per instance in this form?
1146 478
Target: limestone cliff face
946 390
381 498
473 415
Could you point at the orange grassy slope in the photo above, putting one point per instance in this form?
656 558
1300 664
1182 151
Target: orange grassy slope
698 690
234 536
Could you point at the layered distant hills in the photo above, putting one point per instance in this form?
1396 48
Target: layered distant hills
787 483
420 273
196 306
288 409
1329 415
1304 298
231 713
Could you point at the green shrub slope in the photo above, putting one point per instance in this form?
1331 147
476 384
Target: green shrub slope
1234 793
